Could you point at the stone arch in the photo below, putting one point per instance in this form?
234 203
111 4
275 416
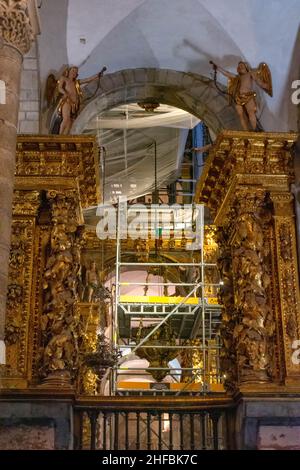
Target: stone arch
188 91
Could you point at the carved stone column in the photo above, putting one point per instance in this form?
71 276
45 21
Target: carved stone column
18 27
247 186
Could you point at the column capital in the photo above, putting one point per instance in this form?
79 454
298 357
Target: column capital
19 23
283 203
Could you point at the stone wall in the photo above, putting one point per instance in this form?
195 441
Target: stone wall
279 438
268 423
36 424
29 110
27 436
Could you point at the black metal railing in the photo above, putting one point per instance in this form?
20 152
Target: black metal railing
140 423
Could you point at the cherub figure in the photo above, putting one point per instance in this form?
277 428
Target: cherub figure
68 91
241 92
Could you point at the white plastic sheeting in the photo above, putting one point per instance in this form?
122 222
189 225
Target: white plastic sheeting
131 116
140 147
131 173
138 178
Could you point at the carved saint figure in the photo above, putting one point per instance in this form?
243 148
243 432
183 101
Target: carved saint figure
94 291
92 282
241 90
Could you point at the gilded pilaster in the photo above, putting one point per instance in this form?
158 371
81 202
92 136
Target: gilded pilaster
288 281
18 28
19 295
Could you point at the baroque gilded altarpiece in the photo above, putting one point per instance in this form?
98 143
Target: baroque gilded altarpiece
48 324
56 178
246 184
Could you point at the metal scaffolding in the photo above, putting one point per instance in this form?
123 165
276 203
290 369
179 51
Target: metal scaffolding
195 312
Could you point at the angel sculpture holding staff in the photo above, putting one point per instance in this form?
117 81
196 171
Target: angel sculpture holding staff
66 94
241 92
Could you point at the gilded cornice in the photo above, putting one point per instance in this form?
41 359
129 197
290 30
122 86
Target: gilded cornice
250 159
53 162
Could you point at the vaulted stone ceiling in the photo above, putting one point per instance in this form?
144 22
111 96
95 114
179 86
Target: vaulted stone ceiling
178 34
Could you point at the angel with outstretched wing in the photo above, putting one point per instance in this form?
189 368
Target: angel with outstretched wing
66 95
241 92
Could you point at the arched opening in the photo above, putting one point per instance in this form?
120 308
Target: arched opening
197 99
188 91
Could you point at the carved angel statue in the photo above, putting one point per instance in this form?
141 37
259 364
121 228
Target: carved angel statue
66 95
241 90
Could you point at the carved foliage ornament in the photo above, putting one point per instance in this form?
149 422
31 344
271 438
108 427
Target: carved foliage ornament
15 26
17 299
228 359
13 324
87 379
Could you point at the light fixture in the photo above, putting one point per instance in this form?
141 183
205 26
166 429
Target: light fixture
149 106
105 356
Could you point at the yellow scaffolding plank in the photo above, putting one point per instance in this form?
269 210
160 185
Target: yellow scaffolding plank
156 299
197 387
